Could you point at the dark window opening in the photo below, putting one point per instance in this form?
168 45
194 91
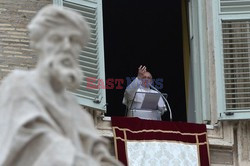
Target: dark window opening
144 32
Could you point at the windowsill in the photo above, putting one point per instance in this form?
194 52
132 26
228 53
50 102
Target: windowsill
210 127
108 118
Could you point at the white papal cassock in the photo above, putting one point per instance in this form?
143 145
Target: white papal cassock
134 100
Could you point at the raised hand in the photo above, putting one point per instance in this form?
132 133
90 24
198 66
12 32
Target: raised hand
141 71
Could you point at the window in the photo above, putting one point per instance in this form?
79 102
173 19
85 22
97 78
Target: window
92 57
232 43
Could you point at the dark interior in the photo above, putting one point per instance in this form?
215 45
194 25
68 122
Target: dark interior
144 32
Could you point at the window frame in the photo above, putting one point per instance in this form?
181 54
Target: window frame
219 16
199 61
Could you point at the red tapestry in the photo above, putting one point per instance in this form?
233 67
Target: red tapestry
148 142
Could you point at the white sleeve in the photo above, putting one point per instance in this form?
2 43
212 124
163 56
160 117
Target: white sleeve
161 105
131 90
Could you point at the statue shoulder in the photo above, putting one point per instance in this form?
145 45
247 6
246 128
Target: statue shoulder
16 75
16 82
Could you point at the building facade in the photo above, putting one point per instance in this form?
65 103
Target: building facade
218 43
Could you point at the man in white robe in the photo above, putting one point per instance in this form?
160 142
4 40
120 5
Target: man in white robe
41 124
133 100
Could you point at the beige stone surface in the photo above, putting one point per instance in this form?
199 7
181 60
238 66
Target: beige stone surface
14 42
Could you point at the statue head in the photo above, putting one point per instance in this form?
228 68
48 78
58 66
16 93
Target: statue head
59 34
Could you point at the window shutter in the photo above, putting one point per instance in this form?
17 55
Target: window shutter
234 55
92 91
234 6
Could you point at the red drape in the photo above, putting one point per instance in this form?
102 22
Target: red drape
134 129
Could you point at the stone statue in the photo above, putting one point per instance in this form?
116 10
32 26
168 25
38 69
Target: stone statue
41 124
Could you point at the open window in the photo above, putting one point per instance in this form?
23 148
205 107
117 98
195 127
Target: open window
144 32
138 32
130 29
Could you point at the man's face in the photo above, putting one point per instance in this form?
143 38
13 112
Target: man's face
61 46
146 79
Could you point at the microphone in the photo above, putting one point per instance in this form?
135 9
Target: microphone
170 111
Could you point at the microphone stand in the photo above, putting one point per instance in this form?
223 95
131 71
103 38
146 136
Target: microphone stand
170 111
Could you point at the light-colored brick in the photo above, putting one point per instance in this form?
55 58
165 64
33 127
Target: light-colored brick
11 40
20 68
19 37
6 70
6 29
25 41
4 36
12 52
11 48
25 49
5 25
4 66
24 57
22 29
19 45
3 9
16 33
27 11
4 44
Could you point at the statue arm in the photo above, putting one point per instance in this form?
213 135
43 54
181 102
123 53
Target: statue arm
101 154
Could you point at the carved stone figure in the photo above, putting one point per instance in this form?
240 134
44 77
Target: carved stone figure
41 124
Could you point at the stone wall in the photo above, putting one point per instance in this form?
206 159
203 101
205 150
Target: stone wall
15 52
